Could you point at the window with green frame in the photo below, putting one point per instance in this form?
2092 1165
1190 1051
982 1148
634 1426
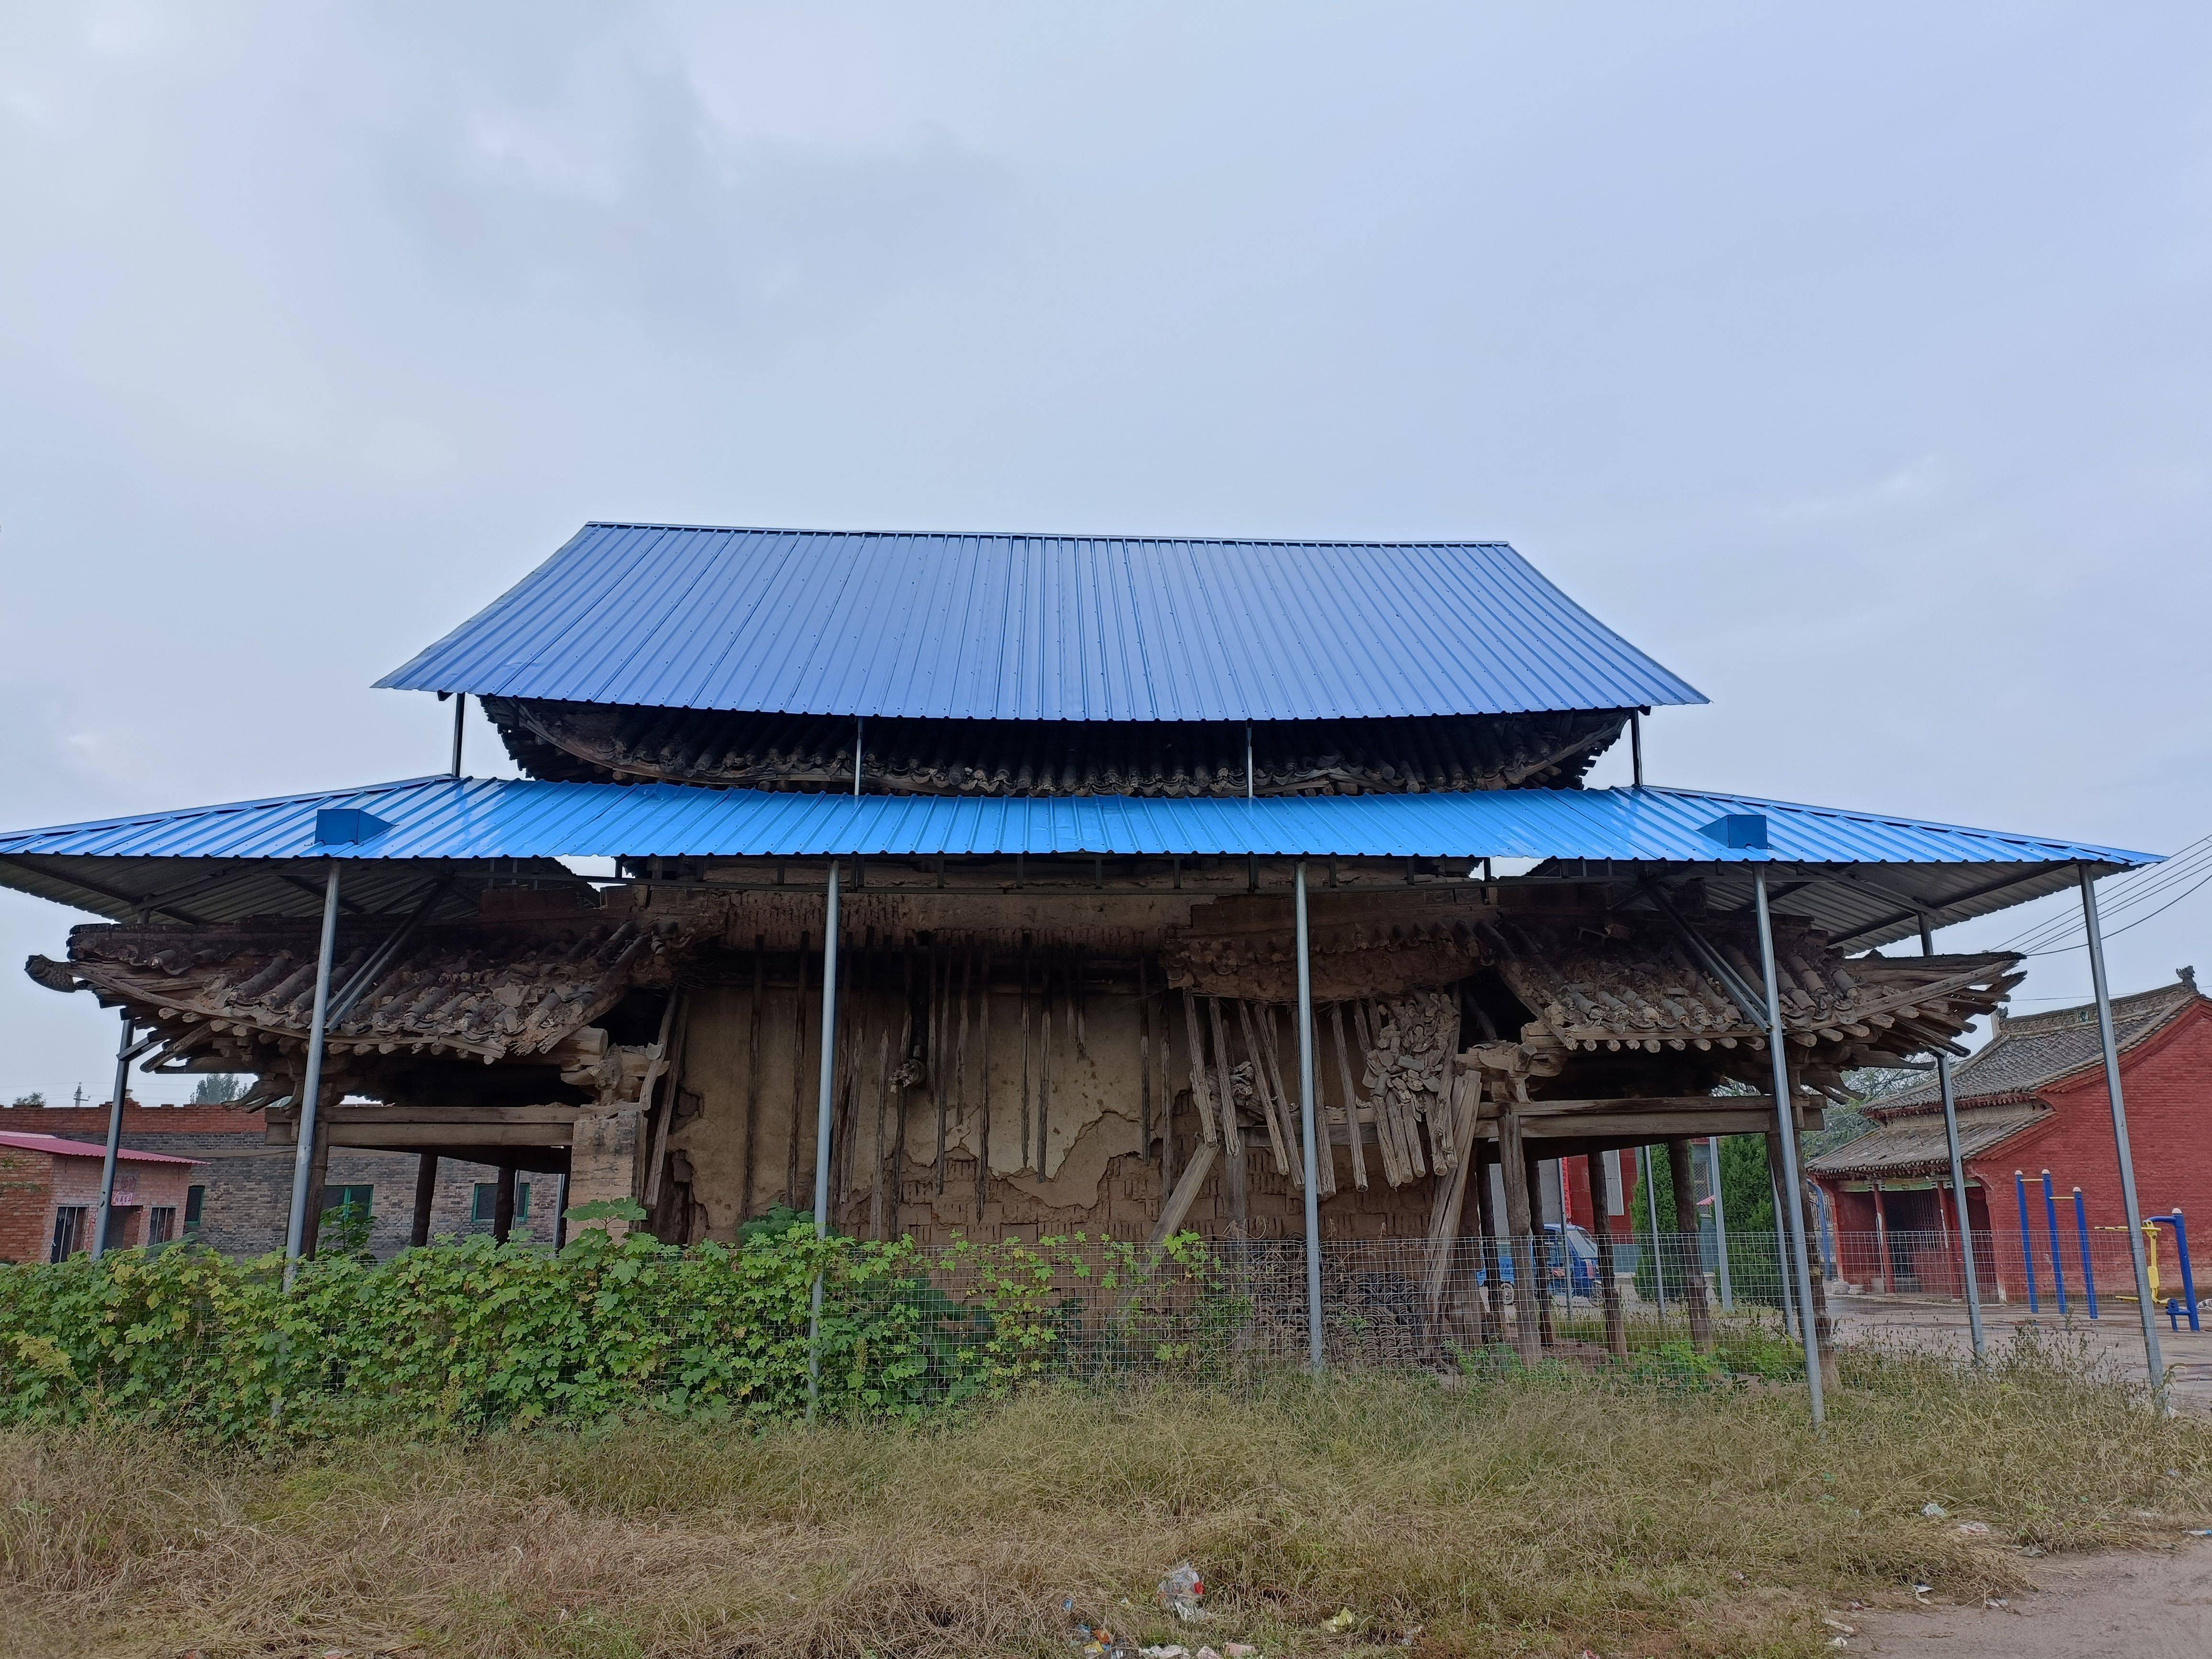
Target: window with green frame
355 1198
480 1207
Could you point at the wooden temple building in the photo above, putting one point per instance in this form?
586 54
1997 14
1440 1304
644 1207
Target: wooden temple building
1071 790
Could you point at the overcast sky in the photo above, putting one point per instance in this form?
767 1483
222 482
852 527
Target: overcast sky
1853 361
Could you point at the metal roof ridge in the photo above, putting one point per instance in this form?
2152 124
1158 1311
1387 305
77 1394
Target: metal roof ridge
1046 536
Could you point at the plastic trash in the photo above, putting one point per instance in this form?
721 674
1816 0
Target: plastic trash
1974 1529
1165 1650
1339 1621
1933 1511
1180 1591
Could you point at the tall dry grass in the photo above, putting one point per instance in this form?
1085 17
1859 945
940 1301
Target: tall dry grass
1534 1515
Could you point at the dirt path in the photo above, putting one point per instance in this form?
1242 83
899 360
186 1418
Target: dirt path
2154 1604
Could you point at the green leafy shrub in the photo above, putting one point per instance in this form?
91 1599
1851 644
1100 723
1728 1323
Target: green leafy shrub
468 1335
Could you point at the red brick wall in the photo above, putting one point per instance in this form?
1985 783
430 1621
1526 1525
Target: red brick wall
2167 1083
26 1204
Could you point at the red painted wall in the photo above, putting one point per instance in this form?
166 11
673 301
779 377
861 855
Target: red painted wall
2166 1081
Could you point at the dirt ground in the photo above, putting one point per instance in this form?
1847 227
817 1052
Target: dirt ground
2154 1604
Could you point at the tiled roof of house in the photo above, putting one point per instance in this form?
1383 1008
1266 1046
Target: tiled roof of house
60 1148
1914 1145
2033 1053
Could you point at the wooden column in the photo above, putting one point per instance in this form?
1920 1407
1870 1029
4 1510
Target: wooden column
502 1204
1679 1176
1493 1289
318 1169
1520 1229
1608 1284
426 1196
1881 1240
1539 1246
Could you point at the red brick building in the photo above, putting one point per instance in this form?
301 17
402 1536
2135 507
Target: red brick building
246 1180
2033 1100
50 1196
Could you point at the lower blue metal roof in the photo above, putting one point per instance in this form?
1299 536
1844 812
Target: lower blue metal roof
476 818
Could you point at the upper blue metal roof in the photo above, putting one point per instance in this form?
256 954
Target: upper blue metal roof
975 627
446 817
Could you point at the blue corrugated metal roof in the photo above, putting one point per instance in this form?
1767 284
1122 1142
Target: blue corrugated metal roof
952 627
445 817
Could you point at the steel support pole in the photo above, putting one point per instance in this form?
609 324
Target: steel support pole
822 1116
1651 1210
311 1090
114 1141
1720 1225
1957 1179
2152 1358
1308 1128
1777 1037
460 708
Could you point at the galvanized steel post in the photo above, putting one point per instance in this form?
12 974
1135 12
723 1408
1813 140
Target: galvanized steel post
821 1117
303 1158
1958 1178
2152 1358
1800 1269
114 1141
1720 1225
1307 1114
1651 1210
460 708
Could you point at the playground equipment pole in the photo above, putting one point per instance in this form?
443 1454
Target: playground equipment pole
2088 1273
2181 1248
2026 1238
2051 1227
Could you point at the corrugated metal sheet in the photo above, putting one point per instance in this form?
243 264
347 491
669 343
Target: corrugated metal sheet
527 818
1039 627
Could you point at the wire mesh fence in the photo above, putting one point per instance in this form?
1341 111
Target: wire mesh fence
1217 1310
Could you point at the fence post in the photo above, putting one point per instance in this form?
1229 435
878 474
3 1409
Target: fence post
1720 1225
2026 1239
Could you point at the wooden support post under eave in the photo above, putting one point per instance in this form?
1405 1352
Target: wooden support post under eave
318 1170
502 1205
426 1196
1692 1269
1608 1282
1540 1244
1491 1312
1520 1237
